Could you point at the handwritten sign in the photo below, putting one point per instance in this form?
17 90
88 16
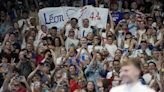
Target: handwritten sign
58 15
53 18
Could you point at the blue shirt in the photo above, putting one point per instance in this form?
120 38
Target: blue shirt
117 16
70 61
89 2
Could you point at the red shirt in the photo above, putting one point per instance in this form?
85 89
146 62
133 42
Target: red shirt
22 89
73 85
39 58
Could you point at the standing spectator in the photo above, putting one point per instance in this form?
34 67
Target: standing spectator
85 29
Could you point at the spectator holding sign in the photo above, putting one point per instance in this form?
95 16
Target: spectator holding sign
85 29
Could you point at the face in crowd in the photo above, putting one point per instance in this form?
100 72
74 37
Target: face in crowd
130 72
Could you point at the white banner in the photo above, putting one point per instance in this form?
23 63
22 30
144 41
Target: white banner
59 15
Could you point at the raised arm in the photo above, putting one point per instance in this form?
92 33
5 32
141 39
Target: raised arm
58 84
23 80
31 75
79 68
6 82
97 3
79 53
92 61
88 53
160 40
53 56
63 29
118 26
5 39
111 20
162 79
61 38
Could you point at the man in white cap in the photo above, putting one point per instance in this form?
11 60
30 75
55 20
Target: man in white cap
130 73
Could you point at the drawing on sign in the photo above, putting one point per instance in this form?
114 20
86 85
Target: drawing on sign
95 17
82 12
70 12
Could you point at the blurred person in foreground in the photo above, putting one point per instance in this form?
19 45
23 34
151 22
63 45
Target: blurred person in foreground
130 74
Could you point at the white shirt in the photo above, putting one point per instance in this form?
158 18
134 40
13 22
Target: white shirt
39 37
69 42
83 54
68 28
111 49
138 52
147 77
25 27
97 48
59 60
159 34
84 32
132 88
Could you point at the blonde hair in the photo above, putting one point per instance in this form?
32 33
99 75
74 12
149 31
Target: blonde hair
131 61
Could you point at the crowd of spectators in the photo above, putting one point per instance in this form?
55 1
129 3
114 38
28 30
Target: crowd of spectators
34 58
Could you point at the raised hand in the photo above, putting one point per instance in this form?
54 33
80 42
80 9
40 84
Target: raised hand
6 37
13 61
38 67
52 52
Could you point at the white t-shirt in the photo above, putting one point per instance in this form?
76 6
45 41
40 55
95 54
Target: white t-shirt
1 90
109 75
159 35
69 42
68 28
137 53
98 48
83 54
59 60
39 36
111 48
133 28
36 41
132 88
25 27
147 77
84 32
